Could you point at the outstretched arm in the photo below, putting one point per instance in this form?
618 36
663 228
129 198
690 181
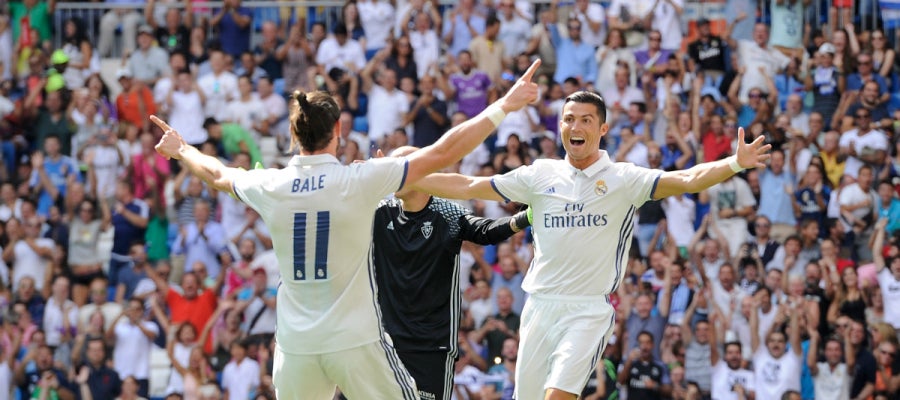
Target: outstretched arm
486 231
462 139
705 175
456 186
209 169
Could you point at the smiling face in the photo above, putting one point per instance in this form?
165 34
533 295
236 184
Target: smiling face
581 128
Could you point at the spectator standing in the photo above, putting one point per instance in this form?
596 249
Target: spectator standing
377 18
99 290
124 14
185 102
95 379
52 172
758 59
857 211
462 26
831 377
427 114
133 337
341 52
777 368
296 57
129 219
654 59
60 318
29 254
425 43
732 203
580 62
247 110
863 145
233 21
149 62
644 375
264 53
241 374
387 104
135 102
777 188
174 34
488 52
515 31
220 86
470 88
257 302
201 240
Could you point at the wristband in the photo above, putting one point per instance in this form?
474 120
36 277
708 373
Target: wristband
496 115
733 163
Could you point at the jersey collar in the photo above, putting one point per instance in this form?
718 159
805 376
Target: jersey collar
598 166
313 160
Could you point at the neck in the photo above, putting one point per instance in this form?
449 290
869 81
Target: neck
415 201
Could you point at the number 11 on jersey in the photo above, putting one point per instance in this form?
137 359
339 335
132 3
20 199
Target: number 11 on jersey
323 230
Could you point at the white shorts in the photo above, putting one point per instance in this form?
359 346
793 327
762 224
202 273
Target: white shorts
561 340
371 371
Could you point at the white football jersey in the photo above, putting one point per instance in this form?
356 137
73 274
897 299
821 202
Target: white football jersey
320 213
583 221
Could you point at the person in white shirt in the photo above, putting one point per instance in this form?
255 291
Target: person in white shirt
133 338
888 276
241 374
329 330
387 104
729 380
377 18
667 18
585 198
831 377
515 31
60 314
341 52
862 145
219 86
777 369
758 59
247 110
425 43
273 103
29 253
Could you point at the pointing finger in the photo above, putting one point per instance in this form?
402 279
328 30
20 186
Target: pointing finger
529 74
160 123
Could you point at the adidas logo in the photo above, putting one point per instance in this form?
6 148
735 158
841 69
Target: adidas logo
550 190
390 226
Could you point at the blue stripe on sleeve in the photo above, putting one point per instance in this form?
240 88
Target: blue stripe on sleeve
494 185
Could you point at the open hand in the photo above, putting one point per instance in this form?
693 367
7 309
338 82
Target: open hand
753 155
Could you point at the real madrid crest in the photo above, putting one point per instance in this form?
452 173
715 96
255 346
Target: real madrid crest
601 188
427 229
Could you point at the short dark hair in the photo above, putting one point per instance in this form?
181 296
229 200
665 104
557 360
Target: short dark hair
645 333
584 96
313 116
733 343
209 122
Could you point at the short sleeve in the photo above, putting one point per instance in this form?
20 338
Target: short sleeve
515 185
382 176
643 183
248 187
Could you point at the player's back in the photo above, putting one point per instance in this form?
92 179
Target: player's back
320 213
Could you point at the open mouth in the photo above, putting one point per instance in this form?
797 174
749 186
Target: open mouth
576 141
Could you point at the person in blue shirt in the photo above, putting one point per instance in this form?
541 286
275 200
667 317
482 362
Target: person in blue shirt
233 22
580 61
51 175
888 206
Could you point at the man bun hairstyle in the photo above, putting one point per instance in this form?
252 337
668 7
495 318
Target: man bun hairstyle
313 116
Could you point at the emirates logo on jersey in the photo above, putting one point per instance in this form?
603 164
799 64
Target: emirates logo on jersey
427 229
601 188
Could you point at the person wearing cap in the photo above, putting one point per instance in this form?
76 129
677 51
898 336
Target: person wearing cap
128 18
149 62
826 82
135 102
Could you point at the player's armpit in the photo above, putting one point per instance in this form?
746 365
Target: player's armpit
456 186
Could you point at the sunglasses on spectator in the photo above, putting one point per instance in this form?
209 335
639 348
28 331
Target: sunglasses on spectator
755 95
762 225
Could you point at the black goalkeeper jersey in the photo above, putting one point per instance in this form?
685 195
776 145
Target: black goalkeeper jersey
416 257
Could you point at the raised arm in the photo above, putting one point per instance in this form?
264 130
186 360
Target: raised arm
878 244
703 176
209 169
485 231
812 356
461 140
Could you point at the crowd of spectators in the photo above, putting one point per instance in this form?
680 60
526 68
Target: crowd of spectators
783 281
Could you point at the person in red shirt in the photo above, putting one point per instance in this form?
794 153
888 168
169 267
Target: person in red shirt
135 103
717 141
191 305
